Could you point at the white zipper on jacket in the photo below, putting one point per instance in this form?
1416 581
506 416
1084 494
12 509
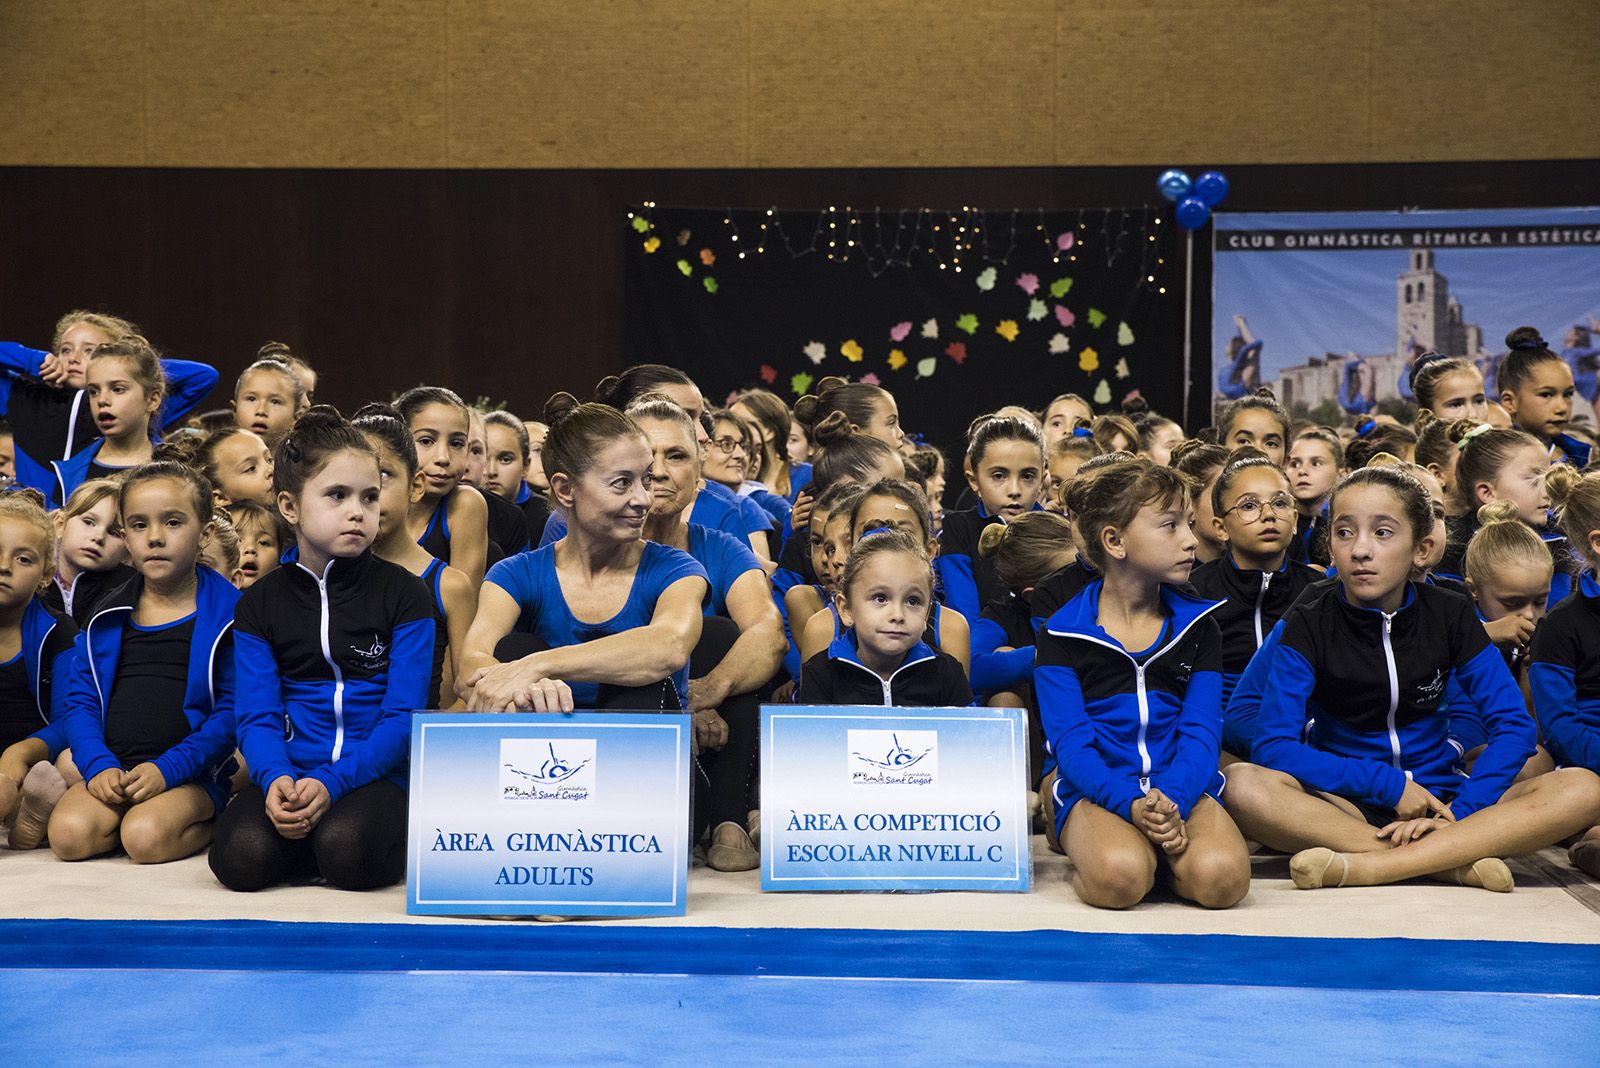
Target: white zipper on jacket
887 683
38 673
1394 686
327 656
1266 580
1138 682
72 429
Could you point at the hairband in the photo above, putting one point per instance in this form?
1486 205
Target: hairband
1422 361
1082 432
1481 428
1365 427
1535 342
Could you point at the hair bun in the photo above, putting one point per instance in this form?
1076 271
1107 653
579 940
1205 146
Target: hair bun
1462 427
275 350
834 427
1500 511
993 536
1559 482
605 390
1525 337
558 407
828 383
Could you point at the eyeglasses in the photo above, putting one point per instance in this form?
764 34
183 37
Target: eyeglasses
727 445
1249 508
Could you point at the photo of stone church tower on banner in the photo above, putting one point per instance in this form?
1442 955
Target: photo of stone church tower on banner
1427 318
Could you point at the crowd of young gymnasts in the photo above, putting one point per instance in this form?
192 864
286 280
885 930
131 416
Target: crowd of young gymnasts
1362 646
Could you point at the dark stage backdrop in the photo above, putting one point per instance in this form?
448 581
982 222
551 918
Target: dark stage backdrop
955 312
510 284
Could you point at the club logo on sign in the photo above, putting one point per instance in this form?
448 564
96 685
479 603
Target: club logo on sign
893 758
544 770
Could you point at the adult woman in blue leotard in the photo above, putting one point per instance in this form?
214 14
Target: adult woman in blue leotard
611 609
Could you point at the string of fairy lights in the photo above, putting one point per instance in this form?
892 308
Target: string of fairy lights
957 239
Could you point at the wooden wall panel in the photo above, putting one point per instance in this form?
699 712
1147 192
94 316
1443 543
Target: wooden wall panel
826 83
1253 80
596 84
1493 79
275 90
953 84
74 84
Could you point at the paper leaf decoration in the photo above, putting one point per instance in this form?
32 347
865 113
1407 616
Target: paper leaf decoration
640 224
957 351
1088 360
683 238
1060 287
683 266
900 331
851 351
968 322
930 328
1102 392
1059 344
869 379
651 244
1066 241
707 257
1037 310
710 284
769 373
1007 329
800 383
986 278
1028 283
897 359
1124 334
815 351
1097 318
1064 316
926 367
1122 368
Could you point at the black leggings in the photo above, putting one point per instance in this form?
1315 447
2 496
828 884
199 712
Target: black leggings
359 844
722 790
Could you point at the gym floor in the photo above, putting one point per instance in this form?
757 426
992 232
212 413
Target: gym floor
161 961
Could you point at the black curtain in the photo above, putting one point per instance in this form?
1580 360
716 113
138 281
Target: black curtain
955 312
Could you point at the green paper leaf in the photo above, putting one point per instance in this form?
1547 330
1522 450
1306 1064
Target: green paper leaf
1036 310
1124 334
1060 287
801 382
641 224
683 265
1102 392
968 322
1097 318
710 284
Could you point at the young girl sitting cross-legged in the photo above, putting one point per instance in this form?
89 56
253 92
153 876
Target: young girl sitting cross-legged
1352 768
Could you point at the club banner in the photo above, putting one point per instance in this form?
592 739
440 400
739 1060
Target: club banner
894 798
1331 309
525 814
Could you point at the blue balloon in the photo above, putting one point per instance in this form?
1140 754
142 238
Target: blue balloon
1211 187
1192 213
1174 185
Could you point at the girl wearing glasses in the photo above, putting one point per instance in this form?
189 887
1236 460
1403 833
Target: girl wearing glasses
1254 516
